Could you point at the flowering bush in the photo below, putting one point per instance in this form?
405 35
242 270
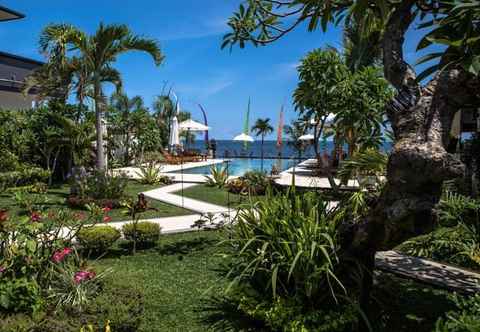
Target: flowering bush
31 250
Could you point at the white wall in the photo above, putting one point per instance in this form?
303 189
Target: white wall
15 100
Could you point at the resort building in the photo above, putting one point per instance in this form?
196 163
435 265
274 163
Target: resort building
13 71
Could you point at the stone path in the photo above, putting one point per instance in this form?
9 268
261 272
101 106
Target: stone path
429 272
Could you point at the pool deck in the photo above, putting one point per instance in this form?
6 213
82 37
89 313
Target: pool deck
305 179
167 169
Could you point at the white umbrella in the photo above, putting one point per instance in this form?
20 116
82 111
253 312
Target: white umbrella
174 138
191 125
243 137
307 137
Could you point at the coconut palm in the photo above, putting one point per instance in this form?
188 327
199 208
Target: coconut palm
262 128
97 53
294 131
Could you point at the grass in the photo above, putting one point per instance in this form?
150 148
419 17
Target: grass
56 196
216 195
182 272
174 277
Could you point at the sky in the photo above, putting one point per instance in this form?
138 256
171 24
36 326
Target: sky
190 34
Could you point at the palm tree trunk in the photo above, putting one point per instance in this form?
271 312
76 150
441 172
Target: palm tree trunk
261 163
99 128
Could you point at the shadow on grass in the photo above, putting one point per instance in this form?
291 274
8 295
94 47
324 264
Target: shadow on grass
184 247
221 313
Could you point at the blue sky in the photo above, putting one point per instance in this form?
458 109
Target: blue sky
190 34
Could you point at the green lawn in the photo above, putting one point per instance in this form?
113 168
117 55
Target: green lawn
56 196
216 196
181 272
174 278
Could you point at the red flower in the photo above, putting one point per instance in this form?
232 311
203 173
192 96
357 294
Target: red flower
3 215
81 276
60 255
107 219
106 209
35 217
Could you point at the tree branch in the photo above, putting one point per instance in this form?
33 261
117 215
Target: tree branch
397 71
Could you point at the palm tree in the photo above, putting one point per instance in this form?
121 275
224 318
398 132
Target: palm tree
262 128
97 53
294 131
123 109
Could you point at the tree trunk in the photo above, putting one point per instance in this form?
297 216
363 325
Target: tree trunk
99 128
421 118
261 163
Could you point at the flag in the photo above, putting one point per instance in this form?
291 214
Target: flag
246 127
205 122
280 129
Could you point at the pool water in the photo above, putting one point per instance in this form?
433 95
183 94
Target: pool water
242 165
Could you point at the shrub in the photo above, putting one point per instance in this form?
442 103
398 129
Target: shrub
465 318
25 176
218 177
20 295
122 306
252 182
147 233
98 238
150 174
98 185
287 245
8 161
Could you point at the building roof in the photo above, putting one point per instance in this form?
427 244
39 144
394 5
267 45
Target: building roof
14 69
7 14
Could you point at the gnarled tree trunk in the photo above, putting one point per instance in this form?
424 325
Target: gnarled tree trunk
421 118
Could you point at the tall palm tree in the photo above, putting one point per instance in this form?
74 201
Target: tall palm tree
262 128
97 53
294 131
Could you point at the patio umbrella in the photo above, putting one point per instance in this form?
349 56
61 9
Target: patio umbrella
174 138
191 125
243 138
307 137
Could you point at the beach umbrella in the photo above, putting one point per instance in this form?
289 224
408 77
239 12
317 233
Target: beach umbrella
243 138
307 137
191 125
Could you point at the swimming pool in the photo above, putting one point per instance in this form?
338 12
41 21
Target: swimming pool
241 165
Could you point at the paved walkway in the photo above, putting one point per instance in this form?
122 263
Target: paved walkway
304 178
429 272
164 194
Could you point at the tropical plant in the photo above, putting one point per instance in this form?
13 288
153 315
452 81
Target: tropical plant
123 121
98 239
425 108
286 246
97 53
464 318
359 120
362 165
318 93
262 128
218 177
250 183
294 131
150 173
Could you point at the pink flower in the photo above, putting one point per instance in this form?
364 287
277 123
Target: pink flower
35 217
59 256
107 219
106 209
81 276
2 269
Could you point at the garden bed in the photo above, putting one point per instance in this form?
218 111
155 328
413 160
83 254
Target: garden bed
56 196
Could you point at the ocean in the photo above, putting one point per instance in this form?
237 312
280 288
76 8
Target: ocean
229 148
